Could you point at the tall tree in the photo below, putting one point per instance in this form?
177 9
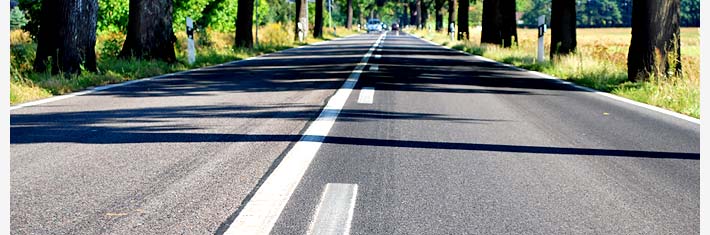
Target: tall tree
349 20
439 11
462 32
655 39
301 17
413 13
318 26
419 13
150 30
564 27
245 19
498 23
67 35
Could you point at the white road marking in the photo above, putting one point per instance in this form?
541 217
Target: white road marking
261 212
605 94
374 67
334 213
367 95
378 56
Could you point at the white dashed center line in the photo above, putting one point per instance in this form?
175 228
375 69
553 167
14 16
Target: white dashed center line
264 208
335 211
367 95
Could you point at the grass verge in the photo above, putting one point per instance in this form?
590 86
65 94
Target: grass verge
212 48
599 63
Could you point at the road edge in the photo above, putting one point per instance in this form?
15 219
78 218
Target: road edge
139 80
562 81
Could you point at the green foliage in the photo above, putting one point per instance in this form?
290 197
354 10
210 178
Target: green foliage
222 16
598 13
111 46
190 8
17 18
32 12
262 11
690 13
112 16
537 8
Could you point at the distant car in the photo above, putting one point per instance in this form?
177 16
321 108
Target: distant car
373 25
395 26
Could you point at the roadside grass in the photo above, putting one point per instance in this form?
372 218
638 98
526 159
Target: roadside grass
599 63
211 48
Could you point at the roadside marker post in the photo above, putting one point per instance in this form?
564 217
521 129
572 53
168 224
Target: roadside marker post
451 30
300 31
541 28
190 40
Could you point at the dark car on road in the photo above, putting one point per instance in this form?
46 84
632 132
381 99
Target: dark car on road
395 26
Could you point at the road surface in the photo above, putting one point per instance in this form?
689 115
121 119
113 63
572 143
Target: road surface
429 141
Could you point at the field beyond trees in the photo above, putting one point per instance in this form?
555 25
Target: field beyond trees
599 63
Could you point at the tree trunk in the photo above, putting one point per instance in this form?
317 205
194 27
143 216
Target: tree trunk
499 25
301 17
462 32
452 8
655 39
150 30
419 13
563 23
439 10
425 13
245 19
413 13
318 24
67 35
349 22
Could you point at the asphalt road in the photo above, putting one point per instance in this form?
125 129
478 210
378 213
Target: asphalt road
450 144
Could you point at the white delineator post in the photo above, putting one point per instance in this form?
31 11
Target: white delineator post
190 41
541 27
452 30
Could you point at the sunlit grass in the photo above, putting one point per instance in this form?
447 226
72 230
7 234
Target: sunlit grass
599 63
211 48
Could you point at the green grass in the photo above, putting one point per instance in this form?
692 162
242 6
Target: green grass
599 63
212 48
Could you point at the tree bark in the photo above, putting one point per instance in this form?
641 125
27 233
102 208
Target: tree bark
462 32
419 13
245 19
563 22
302 17
499 25
150 31
655 39
318 24
439 10
67 36
413 13
425 12
349 23
452 8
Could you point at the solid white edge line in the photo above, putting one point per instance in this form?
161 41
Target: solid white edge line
605 94
264 208
105 87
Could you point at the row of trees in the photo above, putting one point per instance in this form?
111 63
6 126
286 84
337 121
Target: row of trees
604 13
67 28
